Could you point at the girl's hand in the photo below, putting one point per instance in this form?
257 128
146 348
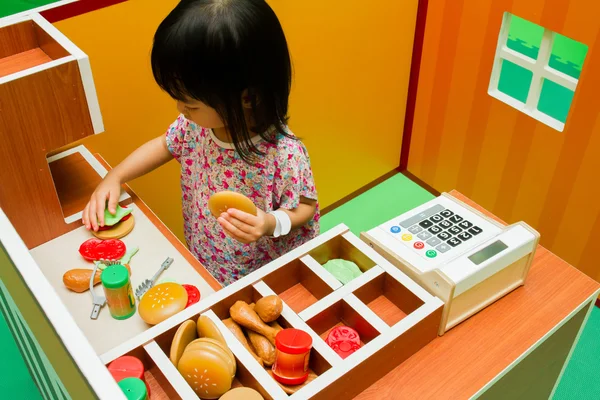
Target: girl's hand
93 213
247 228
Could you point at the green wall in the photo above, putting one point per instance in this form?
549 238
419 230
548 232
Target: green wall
52 368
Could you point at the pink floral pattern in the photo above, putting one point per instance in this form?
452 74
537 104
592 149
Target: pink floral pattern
276 180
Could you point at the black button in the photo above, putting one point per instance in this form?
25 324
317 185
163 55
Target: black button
445 224
454 242
475 230
435 229
426 224
465 236
444 235
465 224
455 230
436 218
447 213
455 219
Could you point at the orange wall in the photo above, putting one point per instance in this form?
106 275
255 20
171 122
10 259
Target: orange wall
511 164
351 79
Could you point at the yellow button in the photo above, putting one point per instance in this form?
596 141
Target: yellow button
406 237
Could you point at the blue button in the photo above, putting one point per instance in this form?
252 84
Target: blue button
395 229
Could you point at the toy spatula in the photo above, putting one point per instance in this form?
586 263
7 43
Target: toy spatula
148 283
98 301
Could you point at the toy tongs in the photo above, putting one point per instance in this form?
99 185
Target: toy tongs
98 301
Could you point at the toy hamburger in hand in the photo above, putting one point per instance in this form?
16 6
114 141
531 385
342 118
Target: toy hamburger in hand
116 226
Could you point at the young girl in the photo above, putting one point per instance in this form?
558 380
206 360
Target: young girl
227 65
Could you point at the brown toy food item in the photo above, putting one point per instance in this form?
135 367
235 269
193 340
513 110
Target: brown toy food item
216 347
222 201
206 372
185 334
237 332
78 280
207 328
276 325
242 393
244 315
117 231
269 308
293 389
264 348
162 302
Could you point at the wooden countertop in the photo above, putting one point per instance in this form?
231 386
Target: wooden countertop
469 356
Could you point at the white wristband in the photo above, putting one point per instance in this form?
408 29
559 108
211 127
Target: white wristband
283 223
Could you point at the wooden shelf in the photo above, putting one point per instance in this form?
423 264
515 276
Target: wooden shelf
25 45
75 180
27 59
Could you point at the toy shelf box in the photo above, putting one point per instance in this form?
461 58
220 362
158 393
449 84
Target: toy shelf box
394 316
48 102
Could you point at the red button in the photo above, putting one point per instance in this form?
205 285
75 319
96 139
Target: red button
419 245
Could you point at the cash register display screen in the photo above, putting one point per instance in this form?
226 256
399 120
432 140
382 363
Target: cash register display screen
488 252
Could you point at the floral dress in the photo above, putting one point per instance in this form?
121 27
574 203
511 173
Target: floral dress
275 180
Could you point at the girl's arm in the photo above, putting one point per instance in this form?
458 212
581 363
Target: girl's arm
146 158
299 216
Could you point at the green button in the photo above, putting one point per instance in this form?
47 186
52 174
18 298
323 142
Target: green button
431 253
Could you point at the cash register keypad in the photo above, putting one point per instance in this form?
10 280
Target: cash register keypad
439 227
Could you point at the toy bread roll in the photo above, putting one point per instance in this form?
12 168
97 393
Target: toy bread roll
222 201
242 393
237 332
185 334
213 346
206 372
162 302
207 328
117 231
244 315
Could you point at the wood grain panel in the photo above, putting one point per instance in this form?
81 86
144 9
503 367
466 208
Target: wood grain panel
21 61
17 38
535 377
443 78
40 112
511 164
75 180
48 44
461 362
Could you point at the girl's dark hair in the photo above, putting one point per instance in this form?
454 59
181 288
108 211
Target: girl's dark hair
213 50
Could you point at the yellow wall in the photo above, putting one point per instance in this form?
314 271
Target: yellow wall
351 64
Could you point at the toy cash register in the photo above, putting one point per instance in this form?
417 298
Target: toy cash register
465 258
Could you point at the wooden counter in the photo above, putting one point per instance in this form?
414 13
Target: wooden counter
516 348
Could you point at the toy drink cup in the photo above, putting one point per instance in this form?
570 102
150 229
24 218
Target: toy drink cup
292 356
133 389
118 291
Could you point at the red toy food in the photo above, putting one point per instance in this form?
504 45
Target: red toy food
343 340
292 356
96 249
128 367
193 294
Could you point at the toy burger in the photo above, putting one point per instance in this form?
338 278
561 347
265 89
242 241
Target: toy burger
162 301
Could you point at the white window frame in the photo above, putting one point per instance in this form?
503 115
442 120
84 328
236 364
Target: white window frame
540 69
